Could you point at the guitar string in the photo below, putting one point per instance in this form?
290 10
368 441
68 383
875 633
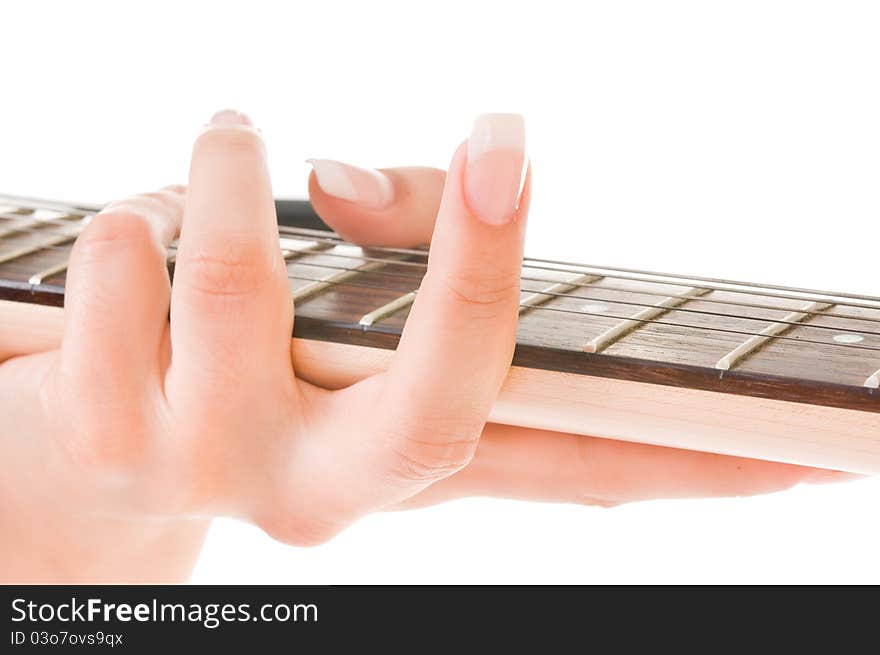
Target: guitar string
74 210
620 318
833 328
603 315
322 235
592 287
565 295
836 328
325 237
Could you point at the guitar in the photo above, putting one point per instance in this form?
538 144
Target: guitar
730 367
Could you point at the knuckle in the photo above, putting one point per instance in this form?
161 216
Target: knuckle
110 230
427 460
234 140
489 292
105 445
233 269
103 433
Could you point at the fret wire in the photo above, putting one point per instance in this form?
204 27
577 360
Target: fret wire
560 288
37 278
387 309
16 222
873 381
25 223
758 341
605 315
752 287
33 248
619 331
320 284
56 205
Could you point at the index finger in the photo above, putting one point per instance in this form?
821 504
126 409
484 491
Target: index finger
459 339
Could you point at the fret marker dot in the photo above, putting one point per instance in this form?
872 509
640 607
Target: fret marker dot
848 338
595 308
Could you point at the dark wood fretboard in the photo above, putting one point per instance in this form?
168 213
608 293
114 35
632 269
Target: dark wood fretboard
821 348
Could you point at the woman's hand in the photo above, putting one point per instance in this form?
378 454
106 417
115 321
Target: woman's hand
121 445
155 425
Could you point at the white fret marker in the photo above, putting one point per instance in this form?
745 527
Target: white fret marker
848 338
555 290
627 325
388 309
595 308
754 343
873 382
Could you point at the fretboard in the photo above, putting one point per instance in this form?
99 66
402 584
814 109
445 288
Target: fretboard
816 347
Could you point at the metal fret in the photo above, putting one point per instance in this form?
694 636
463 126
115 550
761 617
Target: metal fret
37 278
756 342
56 205
16 222
617 332
387 309
51 217
26 220
873 382
545 295
290 248
29 250
315 287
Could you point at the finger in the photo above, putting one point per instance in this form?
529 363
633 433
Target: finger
458 342
117 291
537 465
230 306
393 207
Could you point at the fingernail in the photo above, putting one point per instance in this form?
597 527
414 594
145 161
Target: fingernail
823 476
495 165
367 187
230 117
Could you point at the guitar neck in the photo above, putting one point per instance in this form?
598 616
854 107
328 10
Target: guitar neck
600 326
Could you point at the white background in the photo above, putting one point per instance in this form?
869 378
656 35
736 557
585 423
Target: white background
733 139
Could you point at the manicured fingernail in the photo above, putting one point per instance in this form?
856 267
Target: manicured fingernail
364 186
231 117
495 165
822 476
